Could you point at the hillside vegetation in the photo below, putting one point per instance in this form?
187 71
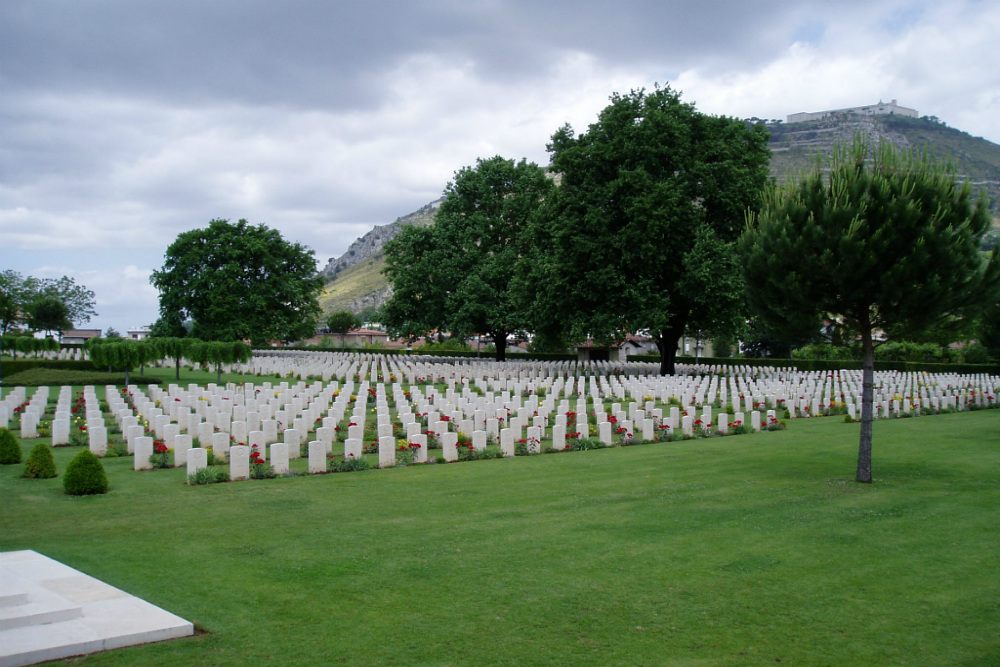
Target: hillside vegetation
356 279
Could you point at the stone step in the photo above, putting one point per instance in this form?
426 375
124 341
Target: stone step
40 606
58 612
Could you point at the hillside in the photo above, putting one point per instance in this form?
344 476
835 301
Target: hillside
793 146
356 281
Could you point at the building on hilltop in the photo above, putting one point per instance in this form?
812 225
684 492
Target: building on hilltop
880 109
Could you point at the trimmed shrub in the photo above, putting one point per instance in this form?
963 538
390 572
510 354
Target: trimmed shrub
40 463
10 448
85 475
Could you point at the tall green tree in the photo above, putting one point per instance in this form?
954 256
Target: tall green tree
239 281
641 230
888 241
341 322
457 275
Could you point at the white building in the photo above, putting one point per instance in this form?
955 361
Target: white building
880 109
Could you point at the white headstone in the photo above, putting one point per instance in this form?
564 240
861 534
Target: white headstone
279 457
197 459
239 462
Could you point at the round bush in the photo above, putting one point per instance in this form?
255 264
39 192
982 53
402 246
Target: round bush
10 448
40 463
85 475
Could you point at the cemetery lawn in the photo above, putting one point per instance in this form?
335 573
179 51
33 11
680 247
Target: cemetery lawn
743 550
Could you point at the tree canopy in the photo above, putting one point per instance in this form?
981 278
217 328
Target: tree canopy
239 281
43 304
887 241
457 274
640 231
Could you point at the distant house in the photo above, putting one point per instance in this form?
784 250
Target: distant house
880 109
78 336
142 333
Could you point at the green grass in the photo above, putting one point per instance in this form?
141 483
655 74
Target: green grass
722 551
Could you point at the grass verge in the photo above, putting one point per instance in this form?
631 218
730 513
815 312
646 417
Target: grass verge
734 551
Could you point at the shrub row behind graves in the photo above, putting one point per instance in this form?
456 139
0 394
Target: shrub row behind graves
19 365
41 377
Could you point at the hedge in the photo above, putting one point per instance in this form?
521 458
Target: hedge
10 367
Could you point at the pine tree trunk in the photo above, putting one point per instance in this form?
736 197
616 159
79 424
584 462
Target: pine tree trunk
867 400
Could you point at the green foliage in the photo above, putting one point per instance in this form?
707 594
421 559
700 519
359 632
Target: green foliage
161 458
49 313
458 274
450 345
218 353
584 444
342 321
237 281
10 448
208 475
640 230
122 353
85 475
346 464
40 464
882 240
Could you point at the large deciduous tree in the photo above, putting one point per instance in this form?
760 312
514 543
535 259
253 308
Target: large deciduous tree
457 274
651 199
888 241
239 281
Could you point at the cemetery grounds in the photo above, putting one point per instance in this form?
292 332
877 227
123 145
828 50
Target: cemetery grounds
734 550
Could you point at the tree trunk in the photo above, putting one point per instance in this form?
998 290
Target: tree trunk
500 341
177 367
867 400
218 374
667 344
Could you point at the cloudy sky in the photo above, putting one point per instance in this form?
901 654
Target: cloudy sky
126 122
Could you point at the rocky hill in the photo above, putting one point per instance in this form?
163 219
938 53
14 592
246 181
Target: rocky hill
356 279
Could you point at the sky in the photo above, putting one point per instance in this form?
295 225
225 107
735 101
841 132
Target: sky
124 123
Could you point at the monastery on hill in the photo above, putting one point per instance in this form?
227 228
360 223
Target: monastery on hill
880 109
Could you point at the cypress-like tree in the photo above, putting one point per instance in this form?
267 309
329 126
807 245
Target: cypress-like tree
886 240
